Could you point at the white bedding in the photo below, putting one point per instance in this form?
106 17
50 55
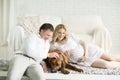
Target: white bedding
87 70
88 74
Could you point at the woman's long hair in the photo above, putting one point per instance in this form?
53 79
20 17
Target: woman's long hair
55 34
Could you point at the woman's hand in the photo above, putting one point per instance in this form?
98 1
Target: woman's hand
53 54
81 59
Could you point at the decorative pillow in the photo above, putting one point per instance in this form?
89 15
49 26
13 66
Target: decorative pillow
30 24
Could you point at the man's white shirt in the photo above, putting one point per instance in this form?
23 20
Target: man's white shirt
35 47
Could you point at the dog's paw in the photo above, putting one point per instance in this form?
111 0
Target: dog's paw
66 72
80 70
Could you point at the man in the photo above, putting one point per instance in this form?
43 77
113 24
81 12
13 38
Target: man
35 48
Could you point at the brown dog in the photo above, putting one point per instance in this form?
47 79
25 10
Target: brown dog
60 63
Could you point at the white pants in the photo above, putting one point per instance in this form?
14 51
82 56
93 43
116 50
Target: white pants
21 64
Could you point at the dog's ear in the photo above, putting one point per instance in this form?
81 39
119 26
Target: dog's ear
47 61
63 64
64 58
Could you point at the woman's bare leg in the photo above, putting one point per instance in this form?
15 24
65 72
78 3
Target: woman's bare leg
100 63
109 57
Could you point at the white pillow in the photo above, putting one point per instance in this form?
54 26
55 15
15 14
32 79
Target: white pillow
78 37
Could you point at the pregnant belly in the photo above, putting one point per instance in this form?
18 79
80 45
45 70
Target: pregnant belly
77 54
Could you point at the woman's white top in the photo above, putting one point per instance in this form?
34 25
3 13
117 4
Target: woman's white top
77 50
36 47
94 52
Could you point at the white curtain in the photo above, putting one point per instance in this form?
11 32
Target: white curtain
7 18
6 23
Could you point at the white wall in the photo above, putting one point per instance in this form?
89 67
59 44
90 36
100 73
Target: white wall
109 10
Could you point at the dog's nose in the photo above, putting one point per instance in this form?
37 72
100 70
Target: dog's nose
53 71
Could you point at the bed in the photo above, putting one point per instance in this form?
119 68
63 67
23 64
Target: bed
28 25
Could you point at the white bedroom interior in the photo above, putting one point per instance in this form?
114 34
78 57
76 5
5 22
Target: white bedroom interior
109 10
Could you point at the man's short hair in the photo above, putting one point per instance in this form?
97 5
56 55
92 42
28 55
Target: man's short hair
47 26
